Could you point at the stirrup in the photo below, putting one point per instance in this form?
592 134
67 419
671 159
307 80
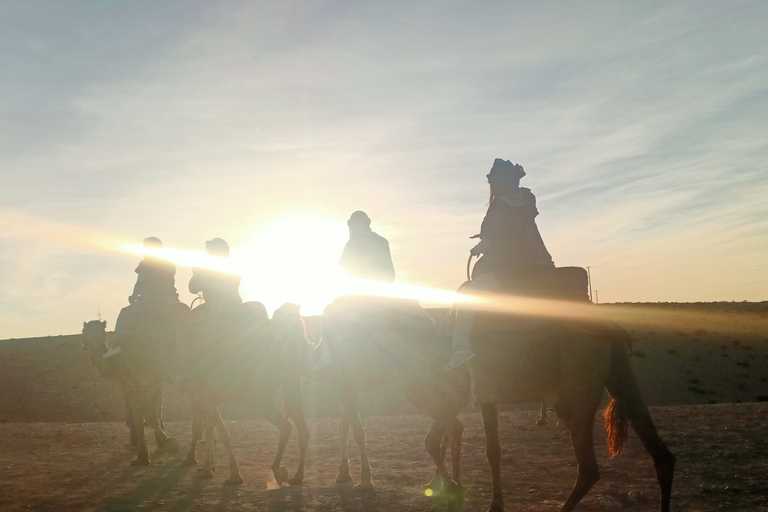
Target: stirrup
113 352
458 358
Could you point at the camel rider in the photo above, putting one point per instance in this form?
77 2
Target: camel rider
510 244
219 288
155 278
155 287
366 254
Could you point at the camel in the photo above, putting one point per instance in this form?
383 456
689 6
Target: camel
143 395
520 359
245 360
373 347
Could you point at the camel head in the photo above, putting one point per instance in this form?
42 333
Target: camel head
94 335
289 322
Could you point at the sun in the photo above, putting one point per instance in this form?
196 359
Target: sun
294 259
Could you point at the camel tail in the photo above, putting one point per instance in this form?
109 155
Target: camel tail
626 401
616 426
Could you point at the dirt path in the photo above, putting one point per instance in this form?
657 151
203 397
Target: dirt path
722 465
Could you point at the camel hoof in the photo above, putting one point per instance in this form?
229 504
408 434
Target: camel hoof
364 486
281 475
172 446
541 423
296 480
206 474
234 480
454 495
343 478
189 461
141 461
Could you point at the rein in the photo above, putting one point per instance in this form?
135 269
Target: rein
469 267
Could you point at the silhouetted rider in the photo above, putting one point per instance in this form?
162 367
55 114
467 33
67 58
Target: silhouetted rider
155 287
145 330
156 277
219 289
511 246
366 254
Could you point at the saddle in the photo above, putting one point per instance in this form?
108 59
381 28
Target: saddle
561 283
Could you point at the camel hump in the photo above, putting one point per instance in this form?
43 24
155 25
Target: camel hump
255 311
379 339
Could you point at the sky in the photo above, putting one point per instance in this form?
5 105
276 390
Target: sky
642 127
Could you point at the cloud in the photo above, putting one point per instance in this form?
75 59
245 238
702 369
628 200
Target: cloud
641 127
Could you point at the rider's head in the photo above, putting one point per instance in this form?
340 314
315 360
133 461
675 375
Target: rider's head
153 242
359 218
359 221
506 173
217 247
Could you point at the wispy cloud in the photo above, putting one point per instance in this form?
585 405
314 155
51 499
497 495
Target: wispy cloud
642 128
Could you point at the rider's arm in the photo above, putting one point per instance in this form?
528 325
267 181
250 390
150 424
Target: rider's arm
194 283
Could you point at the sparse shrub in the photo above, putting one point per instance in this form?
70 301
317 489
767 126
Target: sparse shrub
762 398
724 355
736 342
741 387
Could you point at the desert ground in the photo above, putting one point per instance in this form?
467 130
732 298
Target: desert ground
702 367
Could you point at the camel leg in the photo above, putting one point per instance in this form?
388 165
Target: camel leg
197 433
435 448
436 484
297 413
456 433
164 442
234 468
366 484
206 471
272 415
663 459
579 418
129 422
542 415
344 474
490 414
142 455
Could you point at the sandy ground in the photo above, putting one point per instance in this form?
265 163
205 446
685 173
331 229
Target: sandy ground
705 367
722 465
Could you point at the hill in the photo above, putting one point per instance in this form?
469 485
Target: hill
683 354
